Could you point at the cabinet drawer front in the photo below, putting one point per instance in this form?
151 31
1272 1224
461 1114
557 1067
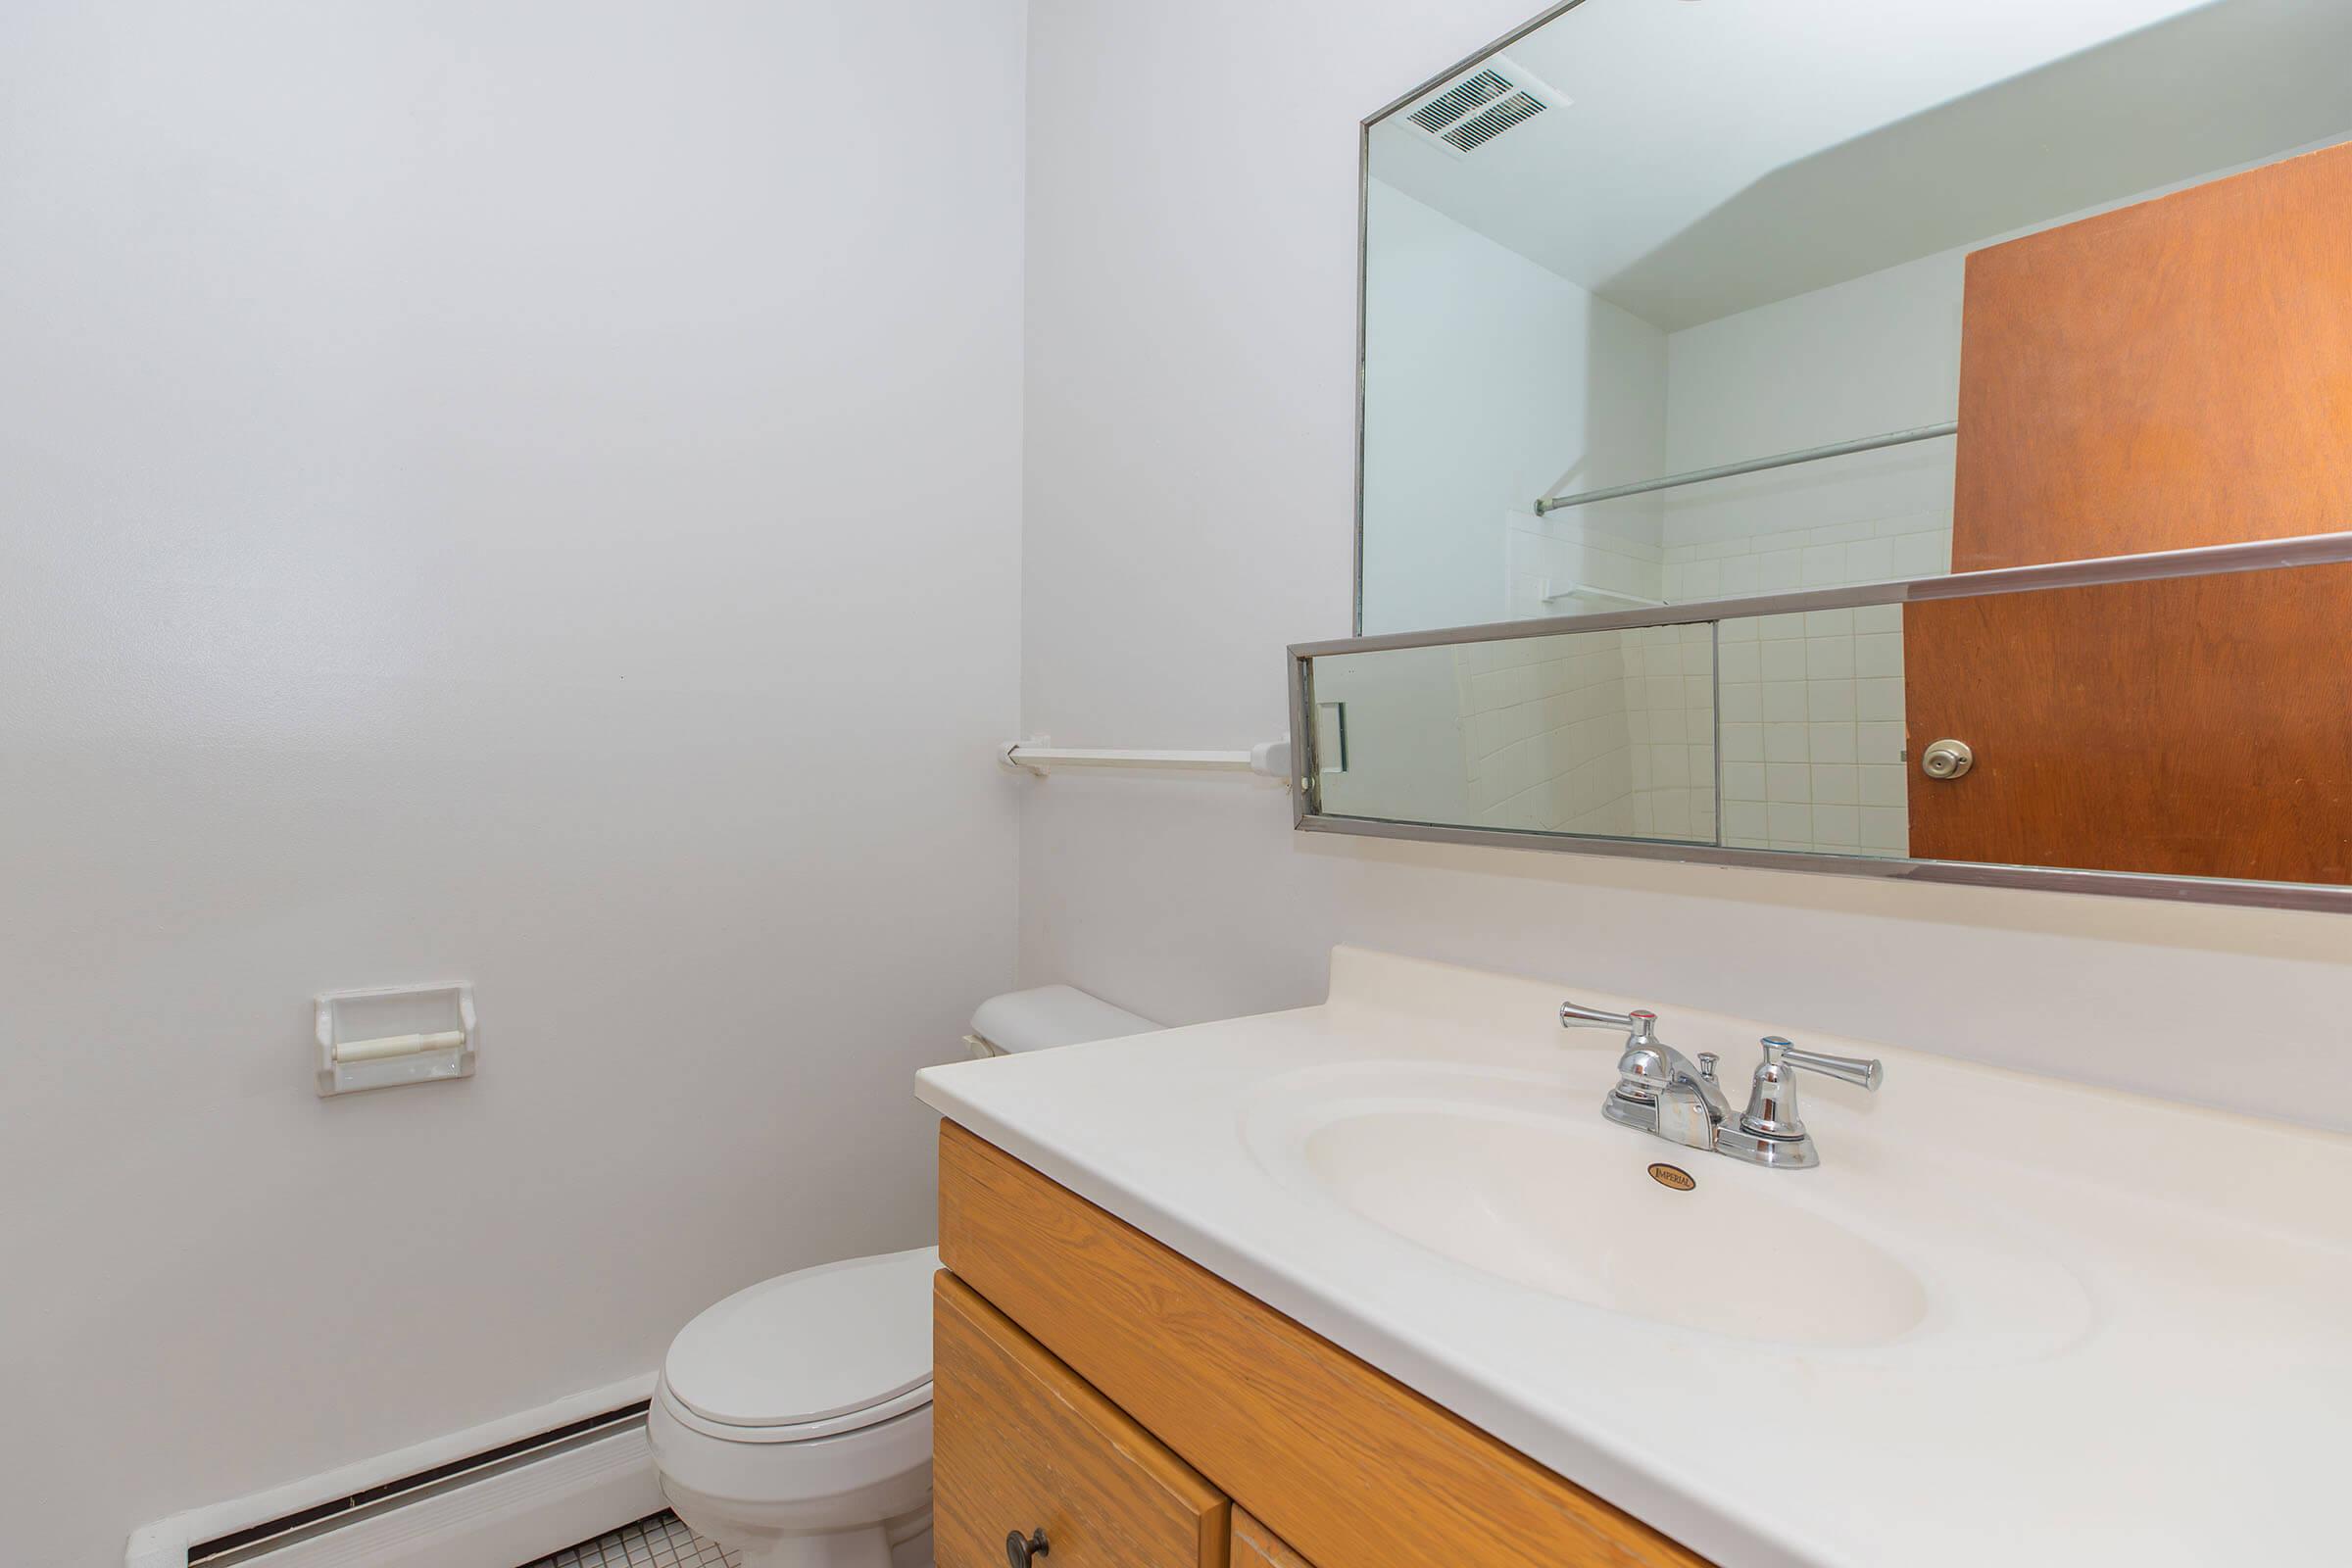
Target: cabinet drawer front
1021 1444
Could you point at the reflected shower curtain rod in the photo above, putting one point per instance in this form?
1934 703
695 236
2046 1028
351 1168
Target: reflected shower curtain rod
1836 449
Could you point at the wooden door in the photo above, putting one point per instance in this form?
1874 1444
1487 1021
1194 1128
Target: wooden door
2198 726
2172 374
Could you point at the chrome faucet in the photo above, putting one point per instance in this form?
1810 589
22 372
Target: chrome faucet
1664 1092
1659 1089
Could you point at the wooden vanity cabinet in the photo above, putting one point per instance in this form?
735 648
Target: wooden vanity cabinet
1086 1373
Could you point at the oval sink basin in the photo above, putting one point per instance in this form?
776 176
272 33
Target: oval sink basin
1522 1180
1575 1211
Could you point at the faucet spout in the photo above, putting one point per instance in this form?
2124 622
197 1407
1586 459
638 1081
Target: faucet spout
1659 1089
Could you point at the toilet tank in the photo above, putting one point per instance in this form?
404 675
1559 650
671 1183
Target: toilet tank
1045 1016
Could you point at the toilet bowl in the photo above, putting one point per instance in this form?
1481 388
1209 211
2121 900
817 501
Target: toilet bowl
791 1423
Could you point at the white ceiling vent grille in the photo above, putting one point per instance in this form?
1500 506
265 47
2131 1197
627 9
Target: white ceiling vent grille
1473 109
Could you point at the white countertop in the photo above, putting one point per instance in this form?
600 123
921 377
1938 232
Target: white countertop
2185 1397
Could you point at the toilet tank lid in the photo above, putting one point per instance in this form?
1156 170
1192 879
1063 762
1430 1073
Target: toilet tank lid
1052 1015
806 1346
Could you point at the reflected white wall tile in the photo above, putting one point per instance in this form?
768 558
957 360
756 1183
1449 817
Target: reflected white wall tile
1886 829
1787 743
1879 742
1870 560
1831 699
1879 653
1830 658
1835 784
1883 784
1880 697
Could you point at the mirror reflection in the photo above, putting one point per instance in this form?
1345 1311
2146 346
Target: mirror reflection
1604 733
2181 728
1667 302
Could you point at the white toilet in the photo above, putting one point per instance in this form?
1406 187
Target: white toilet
792 1422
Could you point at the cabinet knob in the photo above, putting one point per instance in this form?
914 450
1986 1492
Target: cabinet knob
1020 1550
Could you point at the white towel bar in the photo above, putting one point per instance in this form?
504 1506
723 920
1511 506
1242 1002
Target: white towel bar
1267 759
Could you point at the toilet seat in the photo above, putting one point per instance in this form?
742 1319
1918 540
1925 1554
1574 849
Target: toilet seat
872 1415
807 1355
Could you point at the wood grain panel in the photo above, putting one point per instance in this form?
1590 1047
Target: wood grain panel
1256 1547
2194 727
1350 1466
2175 372
1019 1442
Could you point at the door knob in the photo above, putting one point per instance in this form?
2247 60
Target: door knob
1020 1551
1947 760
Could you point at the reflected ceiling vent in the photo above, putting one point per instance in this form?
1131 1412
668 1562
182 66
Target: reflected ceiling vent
1475 108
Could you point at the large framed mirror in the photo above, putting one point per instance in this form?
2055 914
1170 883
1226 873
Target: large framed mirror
1670 301
2163 725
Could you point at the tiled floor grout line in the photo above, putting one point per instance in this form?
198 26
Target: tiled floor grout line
658 1541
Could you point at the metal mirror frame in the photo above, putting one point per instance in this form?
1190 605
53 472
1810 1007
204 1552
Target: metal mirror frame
2314 550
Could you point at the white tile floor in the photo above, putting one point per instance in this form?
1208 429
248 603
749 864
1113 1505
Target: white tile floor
661 1542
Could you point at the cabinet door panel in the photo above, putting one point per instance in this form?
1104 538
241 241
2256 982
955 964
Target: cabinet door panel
1020 1444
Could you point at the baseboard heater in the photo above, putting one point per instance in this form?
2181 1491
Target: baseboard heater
495 1509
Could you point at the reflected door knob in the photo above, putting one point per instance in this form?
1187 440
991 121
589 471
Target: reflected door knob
1947 760
1021 1550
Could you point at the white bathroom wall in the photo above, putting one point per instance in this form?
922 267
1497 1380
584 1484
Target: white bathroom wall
520 493
1190 334
1493 382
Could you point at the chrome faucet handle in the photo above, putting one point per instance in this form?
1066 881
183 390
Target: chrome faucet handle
1770 1132
1640 1025
1647 1063
1868 1071
1659 1089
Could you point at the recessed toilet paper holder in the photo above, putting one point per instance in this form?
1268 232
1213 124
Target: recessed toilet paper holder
399 1034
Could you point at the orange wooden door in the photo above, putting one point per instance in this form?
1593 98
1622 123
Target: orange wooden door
2196 726
2172 374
